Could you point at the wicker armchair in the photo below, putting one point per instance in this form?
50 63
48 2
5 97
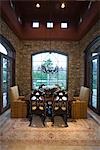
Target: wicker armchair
79 106
18 104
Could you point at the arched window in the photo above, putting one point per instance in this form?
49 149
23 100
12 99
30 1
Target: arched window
50 69
7 61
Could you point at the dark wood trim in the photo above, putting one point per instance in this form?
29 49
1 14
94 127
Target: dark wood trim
92 43
72 33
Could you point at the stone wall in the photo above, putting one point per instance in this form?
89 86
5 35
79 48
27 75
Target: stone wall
24 50
17 45
69 48
87 39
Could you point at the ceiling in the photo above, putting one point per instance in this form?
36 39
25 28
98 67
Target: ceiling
50 10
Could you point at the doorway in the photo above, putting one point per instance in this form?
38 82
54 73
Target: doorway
92 73
7 61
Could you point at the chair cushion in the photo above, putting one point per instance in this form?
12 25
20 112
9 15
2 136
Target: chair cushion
14 94
34 107
41 107
56 108
84 94
63 108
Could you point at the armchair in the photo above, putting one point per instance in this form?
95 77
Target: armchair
80 104
18 104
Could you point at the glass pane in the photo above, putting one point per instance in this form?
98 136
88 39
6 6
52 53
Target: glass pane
9 73
4 82
2 49
94 83
4 99
49 69
62 75
94 54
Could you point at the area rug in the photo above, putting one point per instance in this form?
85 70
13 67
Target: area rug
79 132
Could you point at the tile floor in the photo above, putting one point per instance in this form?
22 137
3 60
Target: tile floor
29 146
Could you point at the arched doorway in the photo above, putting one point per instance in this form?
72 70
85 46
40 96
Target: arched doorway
92 73
7 72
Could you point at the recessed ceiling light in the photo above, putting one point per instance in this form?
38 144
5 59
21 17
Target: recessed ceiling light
37 5
63 5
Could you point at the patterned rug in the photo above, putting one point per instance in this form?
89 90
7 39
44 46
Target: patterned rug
79 132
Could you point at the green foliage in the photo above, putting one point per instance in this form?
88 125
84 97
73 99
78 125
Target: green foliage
47 63
39 75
